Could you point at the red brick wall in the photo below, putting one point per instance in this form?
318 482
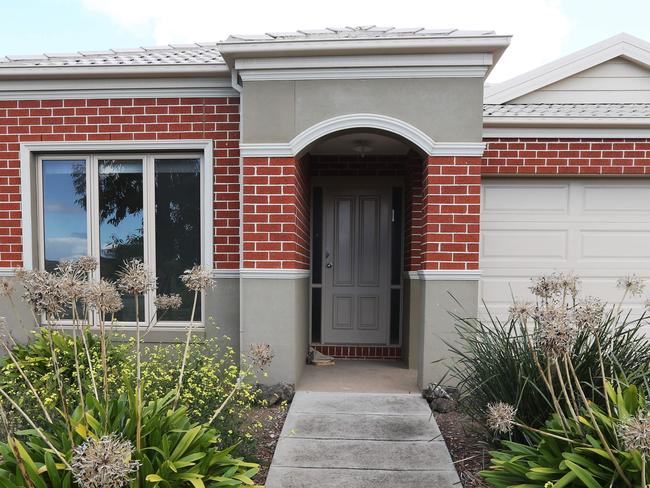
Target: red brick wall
451 213
123 119
567 157
275 214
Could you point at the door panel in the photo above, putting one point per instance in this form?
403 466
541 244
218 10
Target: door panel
356 264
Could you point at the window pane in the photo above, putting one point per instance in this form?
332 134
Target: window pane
178 229
64 211
121 225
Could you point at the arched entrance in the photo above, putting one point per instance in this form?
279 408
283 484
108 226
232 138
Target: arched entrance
365 199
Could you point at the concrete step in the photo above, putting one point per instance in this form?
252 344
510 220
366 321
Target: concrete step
358 478
359 403
362 454
361 426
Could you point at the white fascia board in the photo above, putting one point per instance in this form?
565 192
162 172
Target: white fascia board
28 72
369 61
163 87
630 47
566 132
364 73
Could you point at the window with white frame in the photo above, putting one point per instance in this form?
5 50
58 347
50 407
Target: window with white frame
117 207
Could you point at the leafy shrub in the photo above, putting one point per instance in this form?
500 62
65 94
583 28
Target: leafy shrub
174 451
102 415
212 373
573 454
495 362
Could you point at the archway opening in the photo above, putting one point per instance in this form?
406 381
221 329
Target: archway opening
365 201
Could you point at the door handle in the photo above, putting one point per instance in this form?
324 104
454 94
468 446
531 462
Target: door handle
329 265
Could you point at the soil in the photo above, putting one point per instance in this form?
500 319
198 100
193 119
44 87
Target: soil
272 420
468 445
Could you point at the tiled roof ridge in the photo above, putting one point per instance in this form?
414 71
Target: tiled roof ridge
194 53
595 109
364 31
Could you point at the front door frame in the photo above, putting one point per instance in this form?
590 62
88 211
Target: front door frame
390 182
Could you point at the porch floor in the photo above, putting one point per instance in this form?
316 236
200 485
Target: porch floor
360 376
364 440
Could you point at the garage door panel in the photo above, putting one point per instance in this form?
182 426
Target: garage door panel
616 198
536 198
615 245
516 245
598 229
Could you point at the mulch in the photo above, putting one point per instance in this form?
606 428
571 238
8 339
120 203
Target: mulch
272 420
468 445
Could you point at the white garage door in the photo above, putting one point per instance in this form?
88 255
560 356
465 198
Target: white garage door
597 228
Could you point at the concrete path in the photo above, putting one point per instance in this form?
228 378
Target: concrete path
360 440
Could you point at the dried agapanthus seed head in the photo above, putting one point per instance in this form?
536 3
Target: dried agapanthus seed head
168 302
260 355
134 278
546 286
104 463
521 310
631 284
555 333
6 288
103 297
569 284
197 279
72 280
588 313
635 433
43 291
500 417
86 264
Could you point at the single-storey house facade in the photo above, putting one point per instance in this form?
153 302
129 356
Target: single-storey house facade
350 189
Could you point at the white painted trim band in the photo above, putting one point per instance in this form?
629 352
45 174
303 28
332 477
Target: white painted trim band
458 149
118 93
445 275
7 272
275 274
567 132
225 273
270 150
378 73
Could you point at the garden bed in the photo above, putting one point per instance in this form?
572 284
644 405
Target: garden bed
467 445
272 420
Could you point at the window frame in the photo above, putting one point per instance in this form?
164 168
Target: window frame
93 223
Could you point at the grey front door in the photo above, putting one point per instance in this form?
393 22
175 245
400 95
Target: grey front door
356 264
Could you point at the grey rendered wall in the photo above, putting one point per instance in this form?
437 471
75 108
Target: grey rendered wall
222 315
275 312
440 299
446 109
412 320
222 311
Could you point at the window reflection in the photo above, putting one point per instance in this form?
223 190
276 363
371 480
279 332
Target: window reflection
178 228
121 227
64 211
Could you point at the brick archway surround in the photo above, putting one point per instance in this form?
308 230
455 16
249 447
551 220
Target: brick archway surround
443 213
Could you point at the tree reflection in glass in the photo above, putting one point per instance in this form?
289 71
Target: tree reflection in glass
178 228
121 225
65 232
